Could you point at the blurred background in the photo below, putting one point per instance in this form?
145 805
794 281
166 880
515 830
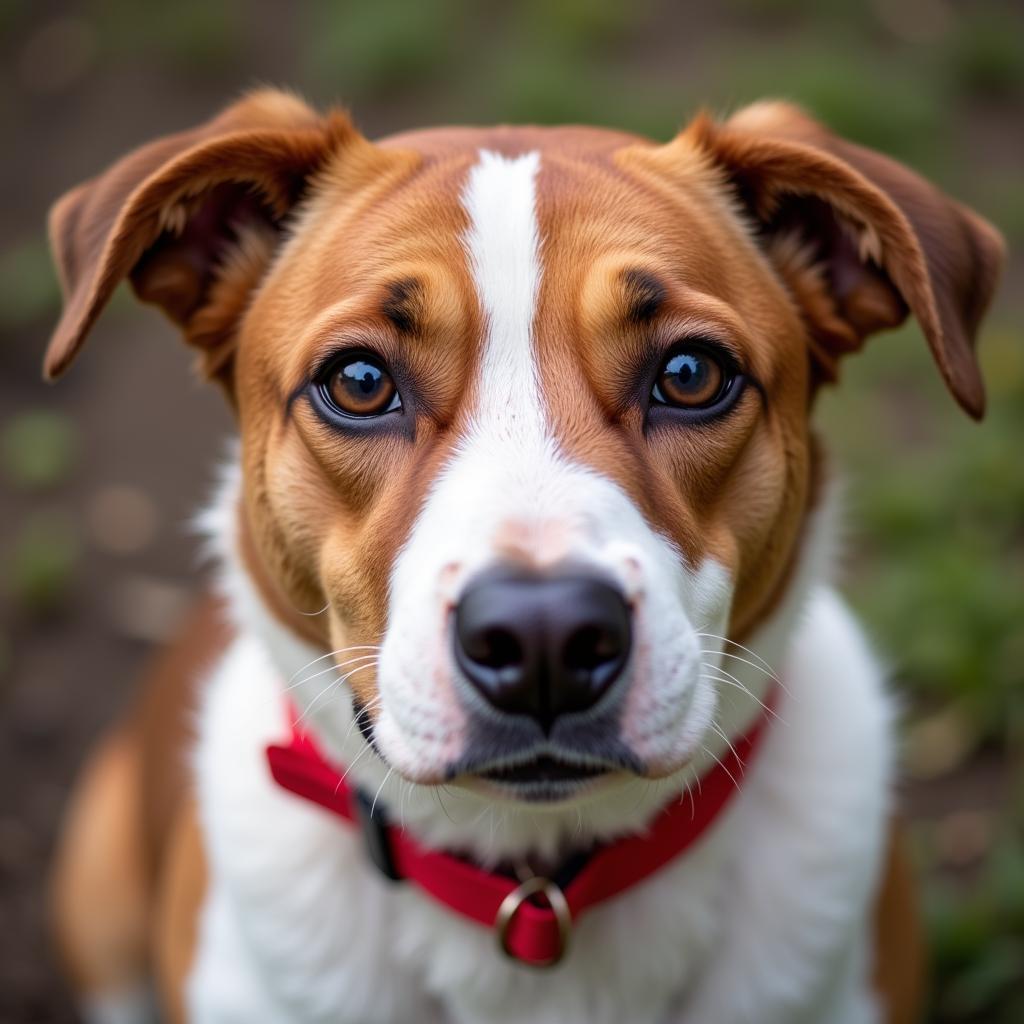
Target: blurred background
99 476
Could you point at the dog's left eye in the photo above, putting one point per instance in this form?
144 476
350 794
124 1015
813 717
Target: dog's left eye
692 377
359 385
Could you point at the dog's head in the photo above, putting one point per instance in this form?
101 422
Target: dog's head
525 411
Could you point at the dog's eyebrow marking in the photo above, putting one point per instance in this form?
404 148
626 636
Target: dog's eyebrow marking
645 294
403 305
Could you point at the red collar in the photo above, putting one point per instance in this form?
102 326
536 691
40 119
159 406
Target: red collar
533 919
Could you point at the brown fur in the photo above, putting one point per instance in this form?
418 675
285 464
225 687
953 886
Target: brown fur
121 853
272 235
100 894
178 900
900 957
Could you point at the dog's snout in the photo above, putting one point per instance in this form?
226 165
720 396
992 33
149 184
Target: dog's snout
542 645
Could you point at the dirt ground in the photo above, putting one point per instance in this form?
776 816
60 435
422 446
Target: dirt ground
139 421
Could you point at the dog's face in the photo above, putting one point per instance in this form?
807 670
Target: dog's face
526 412
520 432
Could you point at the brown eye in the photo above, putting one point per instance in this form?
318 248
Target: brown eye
361 386
691 378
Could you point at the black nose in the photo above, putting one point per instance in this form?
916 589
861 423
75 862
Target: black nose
541 645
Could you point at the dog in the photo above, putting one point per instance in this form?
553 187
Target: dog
525 695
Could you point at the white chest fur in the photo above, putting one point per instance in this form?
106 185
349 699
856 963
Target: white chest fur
762 921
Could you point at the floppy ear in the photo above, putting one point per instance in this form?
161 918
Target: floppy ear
859 239
192 219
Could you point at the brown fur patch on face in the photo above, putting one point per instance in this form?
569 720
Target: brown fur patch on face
330 508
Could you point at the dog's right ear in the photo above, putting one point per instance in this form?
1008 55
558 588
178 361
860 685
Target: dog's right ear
858 238
192 219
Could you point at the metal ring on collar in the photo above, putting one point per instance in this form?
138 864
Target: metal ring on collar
510 907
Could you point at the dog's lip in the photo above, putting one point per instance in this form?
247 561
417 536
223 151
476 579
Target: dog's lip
544 768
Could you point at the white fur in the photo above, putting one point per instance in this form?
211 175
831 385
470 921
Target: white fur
133 1005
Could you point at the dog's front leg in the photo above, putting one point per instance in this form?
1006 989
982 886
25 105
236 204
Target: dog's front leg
231 984
225 985
848 999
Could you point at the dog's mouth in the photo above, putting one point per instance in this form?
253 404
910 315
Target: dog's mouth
543 769
544 778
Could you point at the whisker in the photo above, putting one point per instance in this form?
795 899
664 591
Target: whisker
728 697
490 838
379 788
687 792
746 661
482 812
329 654
313 614
404 790
731 680
724 676
728 742
331 668
336 693
362 753
370 705
437 795
332 685
726 640
302 714
713 755
736 684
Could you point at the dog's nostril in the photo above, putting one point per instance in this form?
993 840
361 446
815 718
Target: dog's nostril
497 649
590 647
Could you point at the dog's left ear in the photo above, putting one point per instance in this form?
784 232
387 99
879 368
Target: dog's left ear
192 220
859 239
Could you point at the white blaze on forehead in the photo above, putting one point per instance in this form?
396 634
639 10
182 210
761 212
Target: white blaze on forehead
503 245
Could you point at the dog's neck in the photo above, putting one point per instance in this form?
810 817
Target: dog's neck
456 818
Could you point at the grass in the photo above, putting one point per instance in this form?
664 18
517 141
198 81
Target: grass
42 562
36 450
28 286
940 569
977 943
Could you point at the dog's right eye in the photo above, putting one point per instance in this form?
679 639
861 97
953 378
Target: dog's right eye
358 385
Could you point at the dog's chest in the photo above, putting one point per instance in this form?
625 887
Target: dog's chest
296 908
298 927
